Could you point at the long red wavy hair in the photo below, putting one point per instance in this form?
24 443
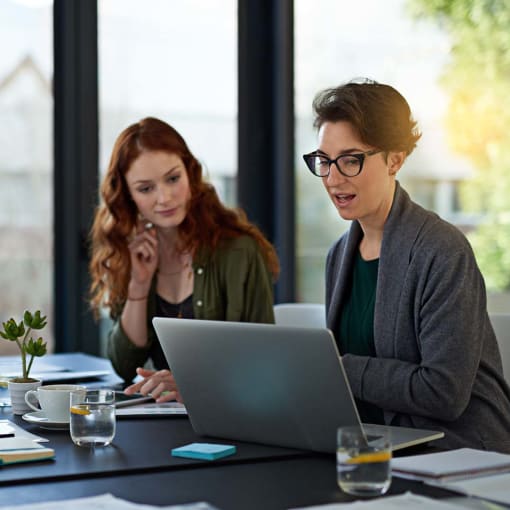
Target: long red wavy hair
207 222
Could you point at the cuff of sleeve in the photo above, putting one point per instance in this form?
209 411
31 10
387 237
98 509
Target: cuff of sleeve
355 367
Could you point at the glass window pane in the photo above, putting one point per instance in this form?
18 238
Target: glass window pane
176 61
391 46
26 162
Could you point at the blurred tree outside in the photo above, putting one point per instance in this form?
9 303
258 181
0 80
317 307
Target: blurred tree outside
477 80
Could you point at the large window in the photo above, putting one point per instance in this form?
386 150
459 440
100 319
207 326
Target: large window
176 61
26 204
337 41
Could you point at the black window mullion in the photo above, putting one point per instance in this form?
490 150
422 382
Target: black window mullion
75 170
266 127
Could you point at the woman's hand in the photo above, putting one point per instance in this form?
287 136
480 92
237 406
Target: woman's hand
143 250
159 384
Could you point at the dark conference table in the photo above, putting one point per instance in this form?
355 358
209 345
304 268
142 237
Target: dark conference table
138 466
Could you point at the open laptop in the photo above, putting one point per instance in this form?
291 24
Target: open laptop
263 383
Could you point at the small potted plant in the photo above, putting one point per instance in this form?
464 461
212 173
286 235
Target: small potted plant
29 349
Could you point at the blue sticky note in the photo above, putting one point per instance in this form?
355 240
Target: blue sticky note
204 451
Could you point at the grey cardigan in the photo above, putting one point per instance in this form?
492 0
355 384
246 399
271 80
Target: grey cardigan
437 365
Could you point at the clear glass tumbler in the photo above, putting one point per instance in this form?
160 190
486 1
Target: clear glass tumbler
92 420
363 460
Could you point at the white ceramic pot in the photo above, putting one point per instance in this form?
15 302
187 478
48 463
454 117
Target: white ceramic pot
17 392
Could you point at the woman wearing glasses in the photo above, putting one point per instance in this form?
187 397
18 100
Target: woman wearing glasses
404 296
163 244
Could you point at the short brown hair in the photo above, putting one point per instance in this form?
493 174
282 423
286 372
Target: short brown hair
378 112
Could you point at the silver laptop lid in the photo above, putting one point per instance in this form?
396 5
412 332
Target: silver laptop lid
258 382
263 383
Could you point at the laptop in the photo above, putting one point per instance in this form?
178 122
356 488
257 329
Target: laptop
263 383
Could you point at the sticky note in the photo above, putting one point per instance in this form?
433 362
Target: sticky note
204 451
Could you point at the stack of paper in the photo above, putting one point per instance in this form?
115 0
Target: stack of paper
471 472
105 502
493 488
15 449
450 465
152 409
403 501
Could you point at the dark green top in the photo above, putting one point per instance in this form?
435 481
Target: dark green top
231 283
357 324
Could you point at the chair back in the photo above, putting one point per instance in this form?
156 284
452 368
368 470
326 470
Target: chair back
312 315
501 325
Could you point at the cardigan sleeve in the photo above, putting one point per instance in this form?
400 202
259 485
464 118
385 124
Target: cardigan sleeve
433 353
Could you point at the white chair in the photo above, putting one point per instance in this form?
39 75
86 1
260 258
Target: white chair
312 315
501 324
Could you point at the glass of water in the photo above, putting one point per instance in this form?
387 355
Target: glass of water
363 460
92 421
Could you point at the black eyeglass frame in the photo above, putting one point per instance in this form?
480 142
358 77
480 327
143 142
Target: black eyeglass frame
360 156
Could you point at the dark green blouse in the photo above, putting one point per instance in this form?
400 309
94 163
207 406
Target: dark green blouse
357 323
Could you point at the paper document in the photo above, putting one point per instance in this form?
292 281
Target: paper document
10 366
153 409
69 375
450 465
493 488
403 501
21 432
103 502
11 444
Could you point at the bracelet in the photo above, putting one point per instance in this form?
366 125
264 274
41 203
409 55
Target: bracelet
136 298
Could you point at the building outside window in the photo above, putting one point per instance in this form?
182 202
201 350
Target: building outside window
423 58
26 163
176 61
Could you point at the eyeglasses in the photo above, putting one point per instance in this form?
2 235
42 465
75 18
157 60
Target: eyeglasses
349 165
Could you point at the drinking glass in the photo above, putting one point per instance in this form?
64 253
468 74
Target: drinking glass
92 417
363 460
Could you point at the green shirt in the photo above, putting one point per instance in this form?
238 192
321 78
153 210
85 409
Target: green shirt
357 319
232 283
357 323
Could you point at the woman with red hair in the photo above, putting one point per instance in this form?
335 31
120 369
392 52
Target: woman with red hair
164 245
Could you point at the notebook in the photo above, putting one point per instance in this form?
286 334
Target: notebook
263 383
16 449
451 465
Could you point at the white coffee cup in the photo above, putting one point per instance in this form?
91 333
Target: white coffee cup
53 400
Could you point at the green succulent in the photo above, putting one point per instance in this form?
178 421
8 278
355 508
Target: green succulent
20 333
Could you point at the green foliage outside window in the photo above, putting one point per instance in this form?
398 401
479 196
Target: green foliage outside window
478 120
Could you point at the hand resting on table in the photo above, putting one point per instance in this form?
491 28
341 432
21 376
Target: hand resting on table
159 384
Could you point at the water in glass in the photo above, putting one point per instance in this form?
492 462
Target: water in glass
363 469
92 418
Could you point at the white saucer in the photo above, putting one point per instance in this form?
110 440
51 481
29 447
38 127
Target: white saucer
39 418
